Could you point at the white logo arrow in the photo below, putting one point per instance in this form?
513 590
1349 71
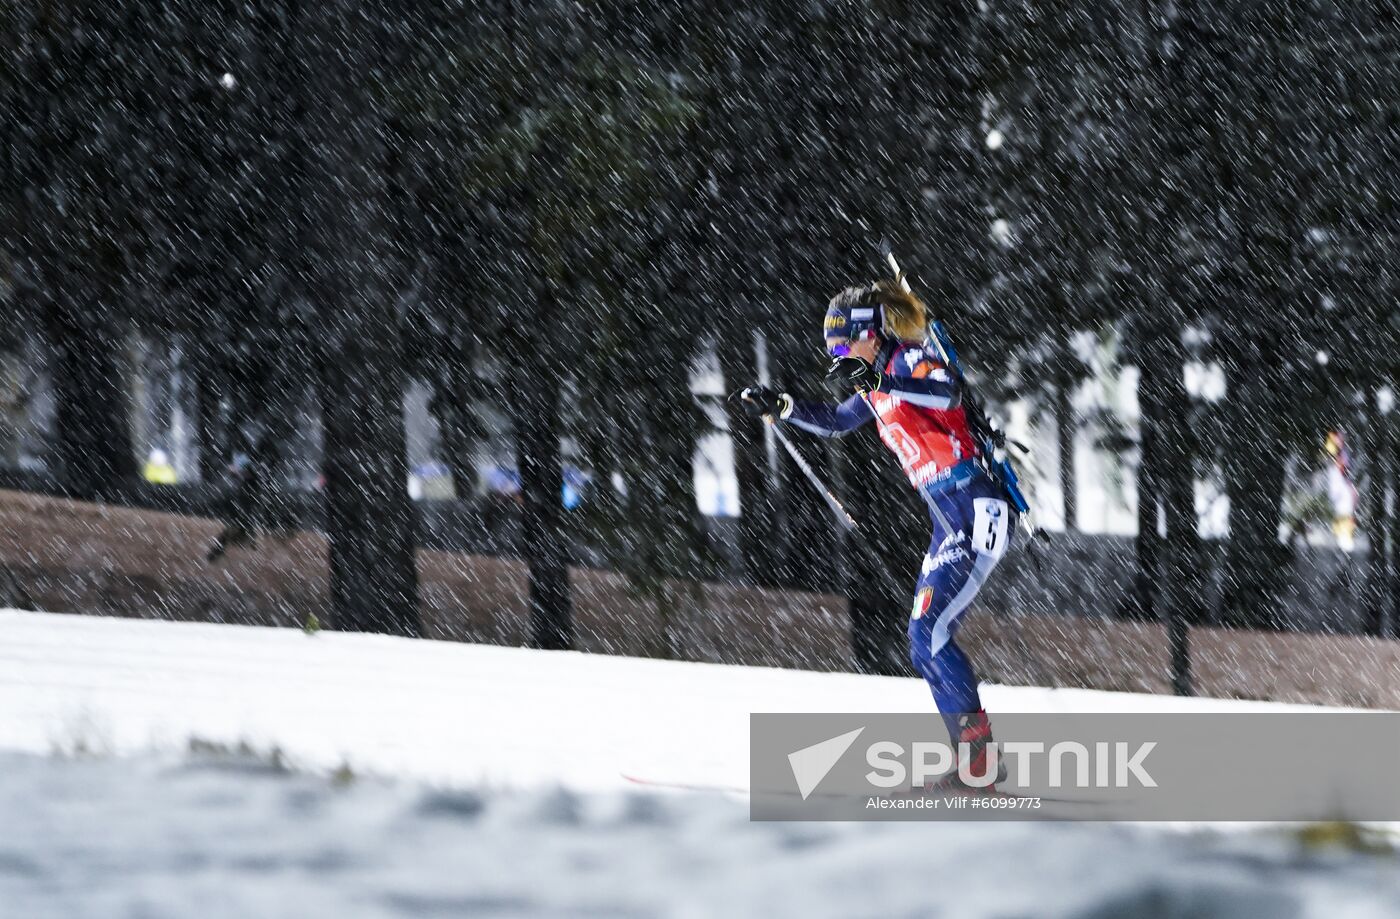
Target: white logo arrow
811 764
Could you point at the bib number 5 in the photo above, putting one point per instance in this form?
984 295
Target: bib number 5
989 526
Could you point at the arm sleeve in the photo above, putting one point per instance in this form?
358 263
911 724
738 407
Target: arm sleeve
827 420
919 380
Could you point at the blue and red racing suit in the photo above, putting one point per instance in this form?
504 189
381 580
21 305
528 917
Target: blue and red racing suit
922 421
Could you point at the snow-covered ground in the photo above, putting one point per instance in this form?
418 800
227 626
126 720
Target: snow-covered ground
489 782
435 711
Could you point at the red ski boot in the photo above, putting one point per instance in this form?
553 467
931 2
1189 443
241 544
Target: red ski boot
975 730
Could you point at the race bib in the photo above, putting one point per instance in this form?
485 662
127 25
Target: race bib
989 526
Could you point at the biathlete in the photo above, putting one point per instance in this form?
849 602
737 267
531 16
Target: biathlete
876 336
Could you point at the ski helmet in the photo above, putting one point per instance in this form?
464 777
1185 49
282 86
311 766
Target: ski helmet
852 316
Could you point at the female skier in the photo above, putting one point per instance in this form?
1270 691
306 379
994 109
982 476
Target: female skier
876 337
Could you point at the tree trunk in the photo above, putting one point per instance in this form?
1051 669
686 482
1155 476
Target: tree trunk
537 427
681 542
1182 574
1166 496
1389 623
370 519
1371 515
72 240
1384 528
1164 491
93 450
878 642
881 559
1254 562
1067 427
1261 176
1139 603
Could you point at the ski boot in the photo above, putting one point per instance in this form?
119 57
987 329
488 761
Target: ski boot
975 730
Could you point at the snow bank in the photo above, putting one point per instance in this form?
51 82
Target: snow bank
225 838
518 807
437 711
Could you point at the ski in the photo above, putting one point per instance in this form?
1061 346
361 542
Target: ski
683 786
707 788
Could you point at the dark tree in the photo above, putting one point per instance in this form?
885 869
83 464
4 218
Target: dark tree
370 523
77 156
1255 154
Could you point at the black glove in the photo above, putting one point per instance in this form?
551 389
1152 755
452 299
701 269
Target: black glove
763 400
847 373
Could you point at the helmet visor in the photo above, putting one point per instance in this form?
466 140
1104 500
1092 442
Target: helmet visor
847 325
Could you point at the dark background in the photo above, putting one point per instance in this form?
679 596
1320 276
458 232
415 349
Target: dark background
549 213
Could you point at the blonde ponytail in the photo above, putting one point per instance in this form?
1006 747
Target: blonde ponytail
905 314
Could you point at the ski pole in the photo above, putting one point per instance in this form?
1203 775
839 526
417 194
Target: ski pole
842 515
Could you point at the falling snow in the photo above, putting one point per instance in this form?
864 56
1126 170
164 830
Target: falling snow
429 323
